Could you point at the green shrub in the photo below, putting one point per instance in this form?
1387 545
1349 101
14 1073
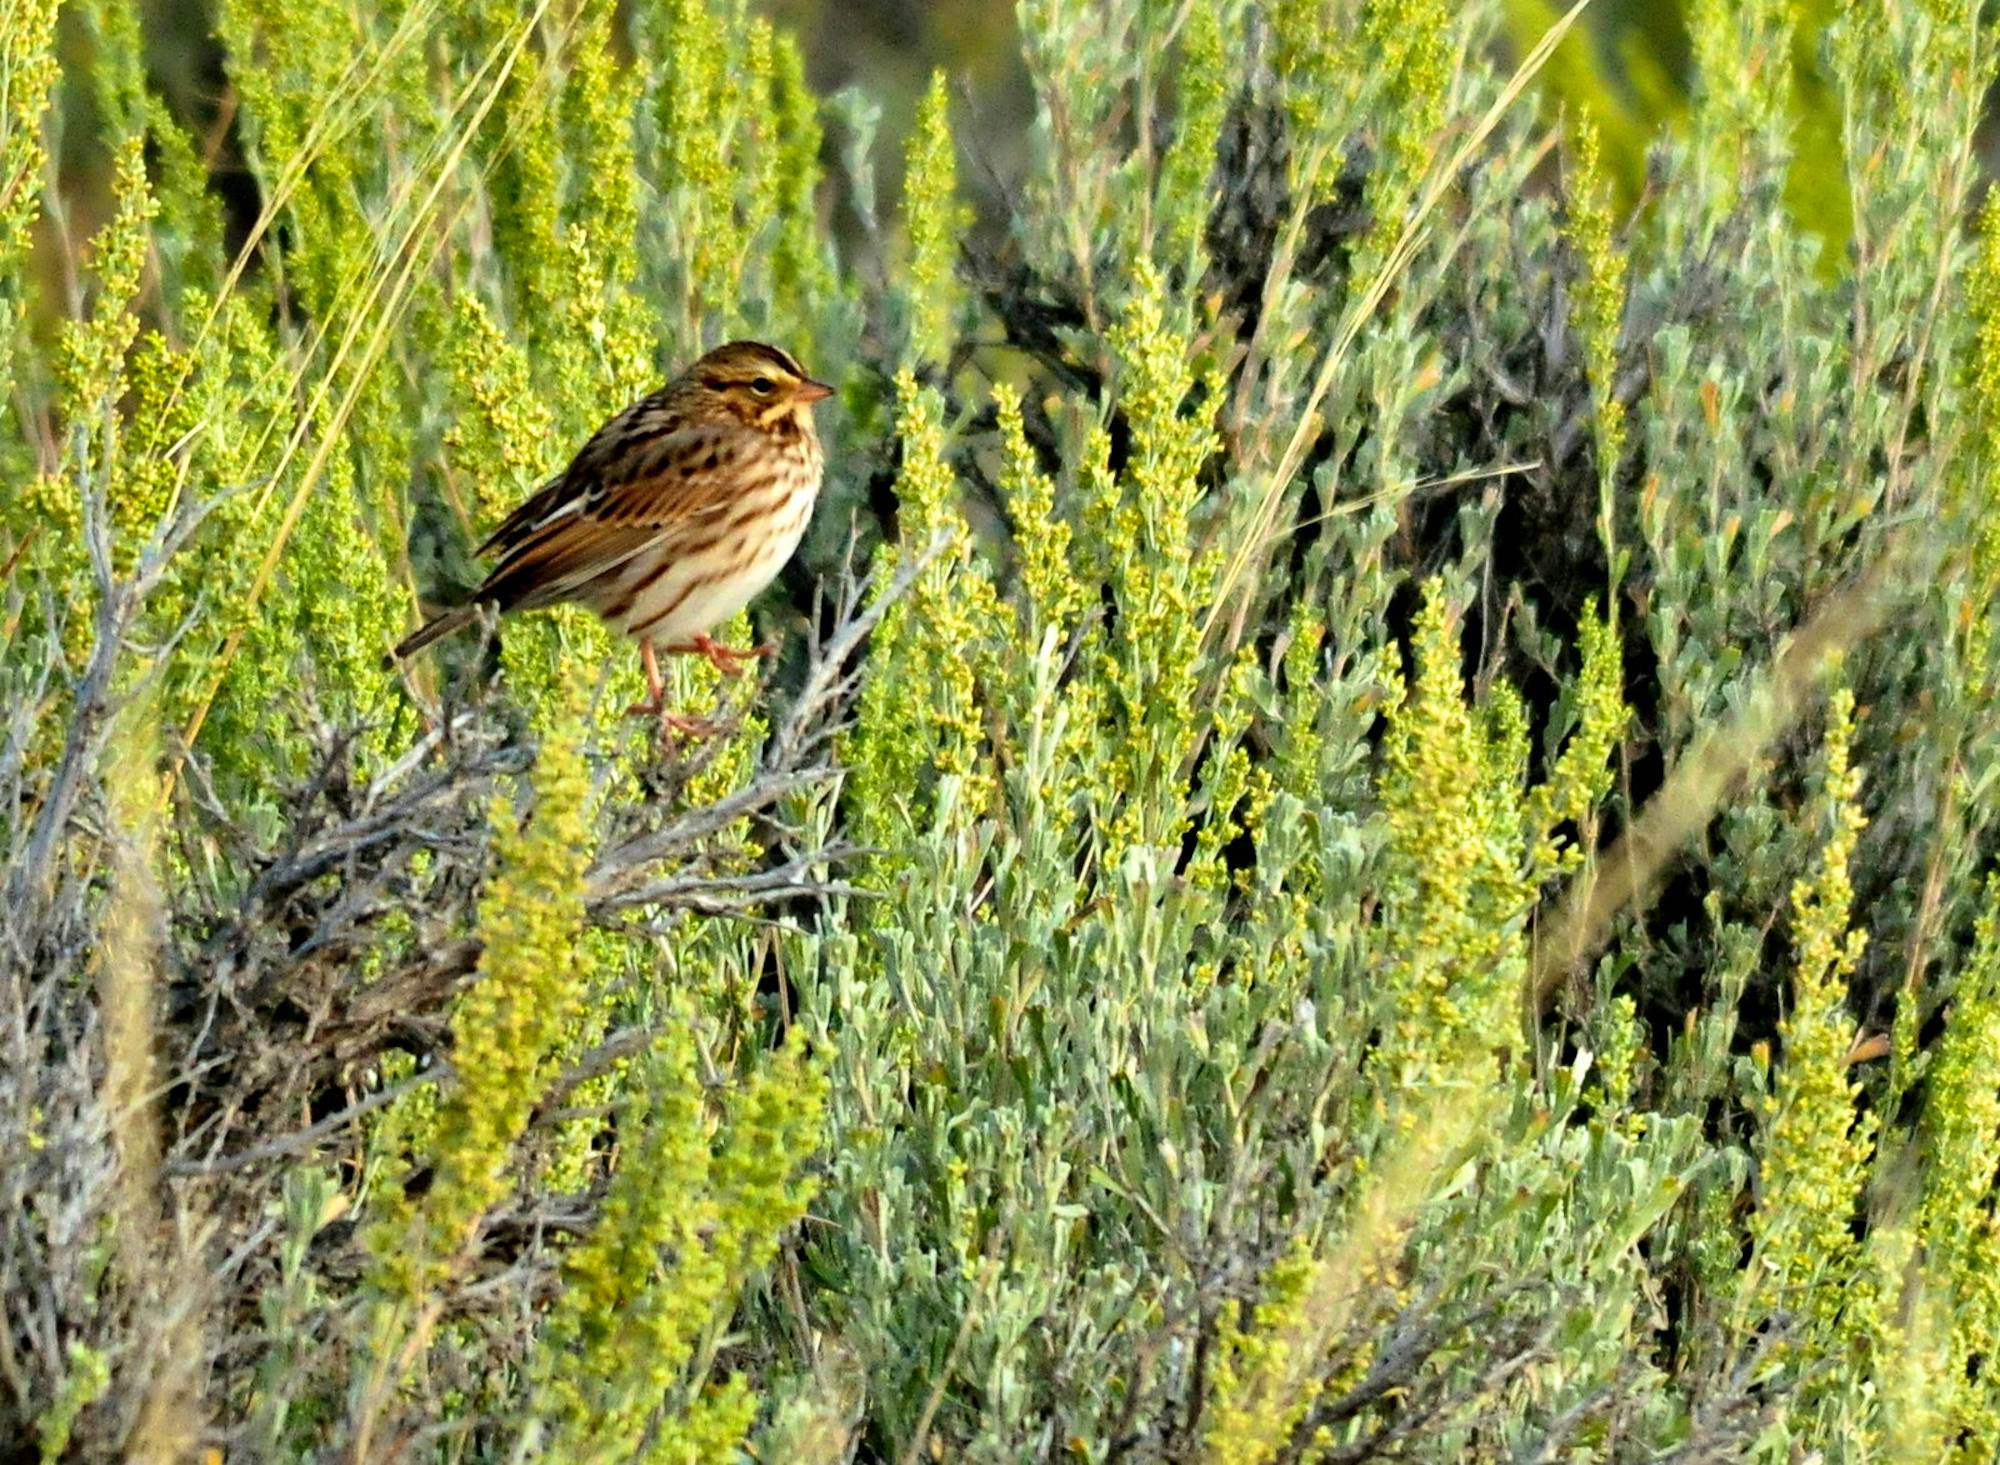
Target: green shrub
1392 858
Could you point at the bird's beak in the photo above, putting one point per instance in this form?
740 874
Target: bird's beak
811 391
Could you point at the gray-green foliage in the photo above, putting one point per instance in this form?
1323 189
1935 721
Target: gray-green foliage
1404 872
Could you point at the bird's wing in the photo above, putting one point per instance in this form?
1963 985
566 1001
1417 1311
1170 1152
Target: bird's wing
639 479
649 417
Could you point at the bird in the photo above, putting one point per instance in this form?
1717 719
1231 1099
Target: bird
675 514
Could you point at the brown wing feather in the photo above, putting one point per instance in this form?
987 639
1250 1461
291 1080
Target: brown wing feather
532 510
649 416
619 497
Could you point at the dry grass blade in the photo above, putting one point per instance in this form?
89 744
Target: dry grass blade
383 318
1696 788
1359 311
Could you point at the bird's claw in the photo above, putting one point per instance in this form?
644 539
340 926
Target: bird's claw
727 660
694 729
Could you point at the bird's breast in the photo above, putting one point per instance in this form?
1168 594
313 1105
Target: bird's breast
699 576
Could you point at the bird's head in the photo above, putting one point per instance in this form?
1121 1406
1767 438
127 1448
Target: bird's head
759 384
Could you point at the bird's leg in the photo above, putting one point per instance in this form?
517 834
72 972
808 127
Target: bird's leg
692 728
727 660
656 705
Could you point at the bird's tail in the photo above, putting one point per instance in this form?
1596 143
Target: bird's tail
435 627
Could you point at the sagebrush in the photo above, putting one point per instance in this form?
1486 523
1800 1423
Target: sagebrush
1373 840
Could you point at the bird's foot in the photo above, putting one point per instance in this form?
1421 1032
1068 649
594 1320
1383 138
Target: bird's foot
672 724
728 660
694 729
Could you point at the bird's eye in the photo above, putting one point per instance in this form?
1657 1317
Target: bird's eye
763 386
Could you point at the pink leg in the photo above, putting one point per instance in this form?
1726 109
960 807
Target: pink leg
692 728
655 706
